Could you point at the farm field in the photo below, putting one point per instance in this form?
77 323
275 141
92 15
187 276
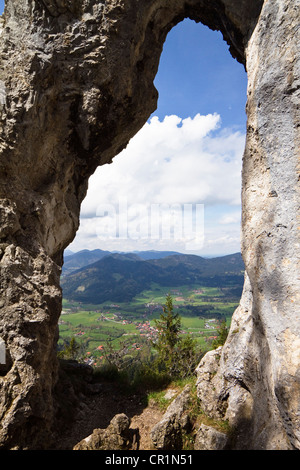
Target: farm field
93 326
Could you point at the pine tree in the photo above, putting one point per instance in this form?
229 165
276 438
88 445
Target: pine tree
168 327
177 355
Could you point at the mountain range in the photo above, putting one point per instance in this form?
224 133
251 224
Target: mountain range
98 276
75 261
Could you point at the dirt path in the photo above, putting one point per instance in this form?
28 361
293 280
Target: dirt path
145 422
98 410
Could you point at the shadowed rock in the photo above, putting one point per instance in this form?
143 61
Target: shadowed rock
117 436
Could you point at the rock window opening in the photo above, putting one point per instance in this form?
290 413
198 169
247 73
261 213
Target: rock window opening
181 172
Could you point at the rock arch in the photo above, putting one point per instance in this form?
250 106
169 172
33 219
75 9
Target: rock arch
76 83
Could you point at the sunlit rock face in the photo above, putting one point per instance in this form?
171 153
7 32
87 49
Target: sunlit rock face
257 383
76 83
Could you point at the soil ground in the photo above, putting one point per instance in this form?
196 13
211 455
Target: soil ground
98 410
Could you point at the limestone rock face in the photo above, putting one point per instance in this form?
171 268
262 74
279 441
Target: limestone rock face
208 438
76 83
167 433
257 384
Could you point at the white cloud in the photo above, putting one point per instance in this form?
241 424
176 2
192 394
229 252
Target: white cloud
174 161
233 218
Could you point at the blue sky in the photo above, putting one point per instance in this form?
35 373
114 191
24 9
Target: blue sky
185 162
188 153
198 74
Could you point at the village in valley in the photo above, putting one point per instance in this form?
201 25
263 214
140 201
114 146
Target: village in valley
94 327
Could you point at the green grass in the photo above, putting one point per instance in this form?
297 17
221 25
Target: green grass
195 304
196 414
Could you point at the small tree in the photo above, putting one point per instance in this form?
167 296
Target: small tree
71 350
222 335
168 327
177 355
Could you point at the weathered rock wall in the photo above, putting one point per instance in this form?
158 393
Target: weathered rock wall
76 83
257 386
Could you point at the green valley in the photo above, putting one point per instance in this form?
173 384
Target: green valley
100 318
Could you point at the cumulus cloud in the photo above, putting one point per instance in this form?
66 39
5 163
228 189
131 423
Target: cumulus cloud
167 164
